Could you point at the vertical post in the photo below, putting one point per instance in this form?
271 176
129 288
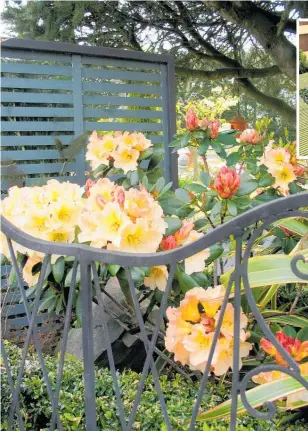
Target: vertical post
236 332
78 116
169 122
87 344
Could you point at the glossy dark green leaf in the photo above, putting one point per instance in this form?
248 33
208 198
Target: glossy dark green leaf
216 209
204 146
174 224
182 195
196 188
303 334
289 331
266 180
233 159
246 187
232 208
58 269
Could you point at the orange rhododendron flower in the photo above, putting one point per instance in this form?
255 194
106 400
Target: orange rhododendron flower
226 182
192 121
249 136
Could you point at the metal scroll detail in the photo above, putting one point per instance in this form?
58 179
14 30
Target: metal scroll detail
293 370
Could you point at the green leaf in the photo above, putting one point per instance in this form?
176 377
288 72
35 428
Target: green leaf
160 184
68 278
12 280
145 182
175 143
170 204
185 140
75 146
182 195
173 223
197 188
256 397
165 188
204 146
216 209
113 269
216 146
146 154
133 177
58 269
233 158
303 334
215 252
205 178
246 187
200 278
289 319
289 331
232 208
138 279
201 222
227 138
293 225
271 269
266 180
49 303
186 281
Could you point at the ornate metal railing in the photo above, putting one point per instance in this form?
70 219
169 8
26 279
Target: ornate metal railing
85 257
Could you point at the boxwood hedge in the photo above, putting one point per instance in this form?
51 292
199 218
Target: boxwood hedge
179 395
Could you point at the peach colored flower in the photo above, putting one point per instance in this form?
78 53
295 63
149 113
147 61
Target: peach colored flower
199 343
227 327
225 358
126 159
283 177
275 159
100 149
30 278
195 263
249 136
184 231
157 278
112 221
192 121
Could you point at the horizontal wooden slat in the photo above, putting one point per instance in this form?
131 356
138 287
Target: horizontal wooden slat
121 101
36 69
12 310
10 298
11 111
40 181
10 141
155 139
41 84
120 88
31 155
122 113
20 322
5 269
33 55
37 126
48 168
125 75
28 97
119 63
130 127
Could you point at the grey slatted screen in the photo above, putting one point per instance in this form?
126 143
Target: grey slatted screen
52 90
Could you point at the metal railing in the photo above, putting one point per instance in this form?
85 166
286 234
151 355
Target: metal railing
85 257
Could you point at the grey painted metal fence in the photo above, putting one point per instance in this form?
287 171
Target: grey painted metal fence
57 90
85 257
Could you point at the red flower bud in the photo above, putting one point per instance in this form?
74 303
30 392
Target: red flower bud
299 170
192 121
249 136
214 128
168 243
184 231
89 184
226 182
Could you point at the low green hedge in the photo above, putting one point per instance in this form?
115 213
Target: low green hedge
179 395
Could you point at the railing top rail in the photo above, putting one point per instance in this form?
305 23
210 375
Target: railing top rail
268 211
68 48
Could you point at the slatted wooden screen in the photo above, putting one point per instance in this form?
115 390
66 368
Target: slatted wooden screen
56 91
53 90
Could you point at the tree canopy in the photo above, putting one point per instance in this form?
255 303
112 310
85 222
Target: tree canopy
249 41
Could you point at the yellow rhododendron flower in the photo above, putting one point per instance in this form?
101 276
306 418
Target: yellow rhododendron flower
199 343
284 176
225 358
157 278
275 158
112 221
195 263
100 149
227 327
126 159
27 274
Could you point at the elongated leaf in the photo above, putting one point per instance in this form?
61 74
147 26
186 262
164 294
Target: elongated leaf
289 319
256 397
182 195
196 188
271 269
75 147
58 269
293 225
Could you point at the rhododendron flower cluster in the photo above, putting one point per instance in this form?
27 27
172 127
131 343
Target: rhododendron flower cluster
226 183
121 149
298 350
124 220
193 123
249 136
185 235
192 326
278 162
50 212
